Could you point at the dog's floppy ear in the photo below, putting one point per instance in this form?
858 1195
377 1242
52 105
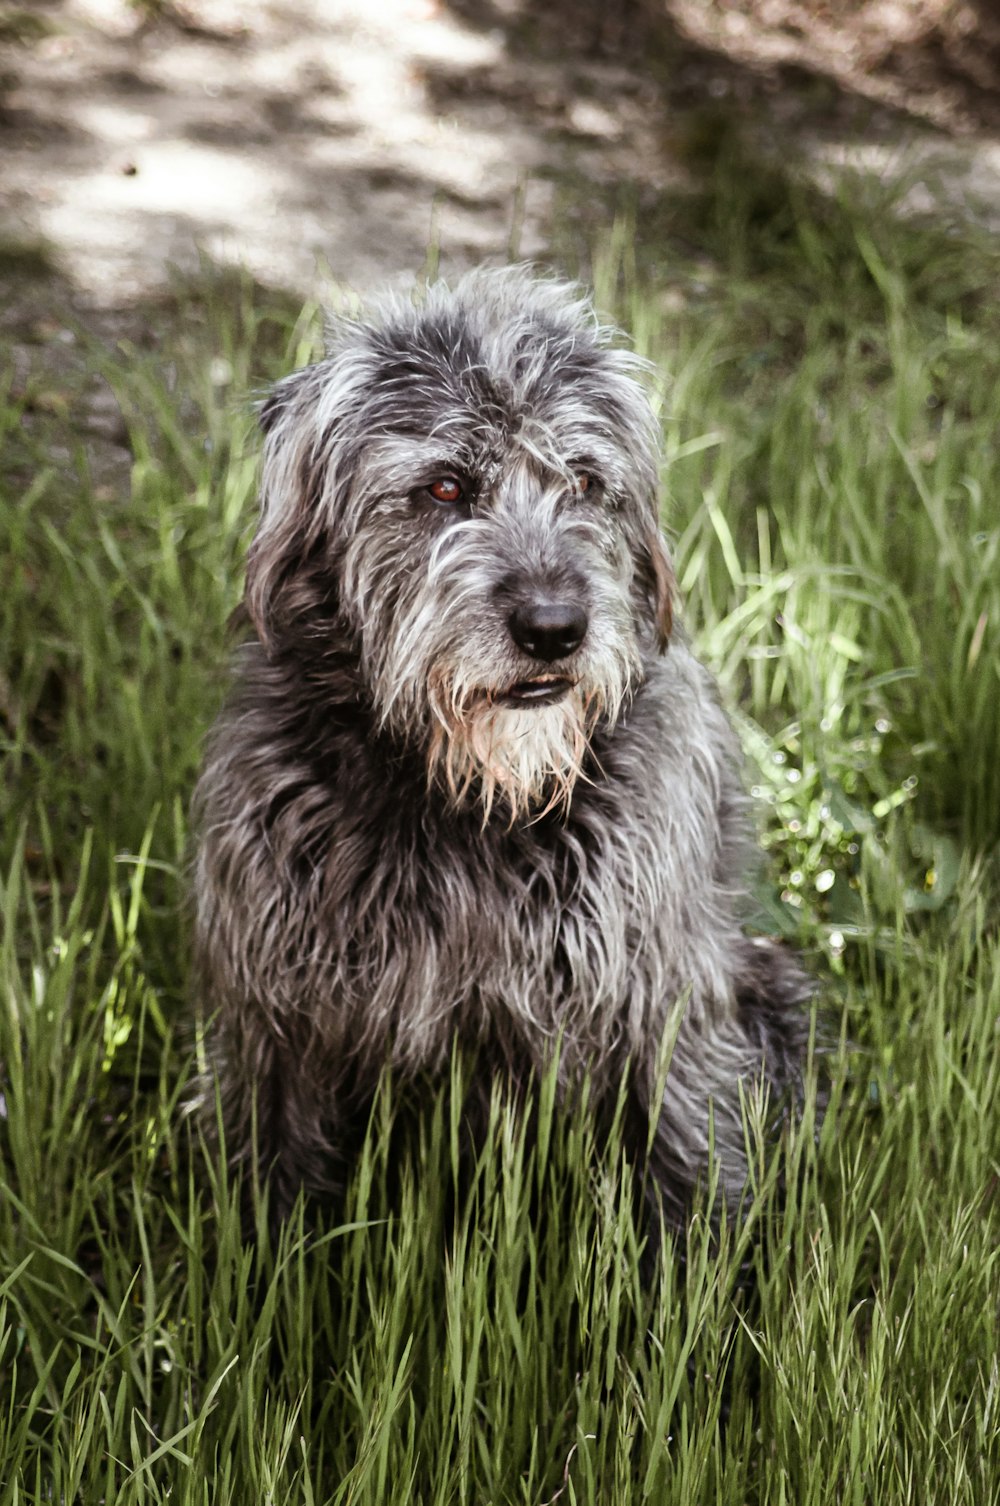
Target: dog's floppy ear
290 511
662 584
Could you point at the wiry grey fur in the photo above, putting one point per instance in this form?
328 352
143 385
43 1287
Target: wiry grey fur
390 856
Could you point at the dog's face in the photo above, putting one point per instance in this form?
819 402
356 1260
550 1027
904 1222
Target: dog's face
467 490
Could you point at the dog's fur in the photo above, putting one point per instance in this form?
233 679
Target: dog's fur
392 855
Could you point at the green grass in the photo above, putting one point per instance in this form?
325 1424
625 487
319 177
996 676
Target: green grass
828 401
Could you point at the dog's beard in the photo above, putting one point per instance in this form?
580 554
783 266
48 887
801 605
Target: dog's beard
523 760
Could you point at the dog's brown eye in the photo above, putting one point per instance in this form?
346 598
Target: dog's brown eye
445 489
583 481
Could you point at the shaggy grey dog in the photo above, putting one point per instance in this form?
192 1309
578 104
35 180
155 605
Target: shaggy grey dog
471 783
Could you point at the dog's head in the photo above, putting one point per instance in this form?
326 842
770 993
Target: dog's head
465 491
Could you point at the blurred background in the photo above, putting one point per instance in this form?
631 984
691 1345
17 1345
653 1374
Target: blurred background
309 136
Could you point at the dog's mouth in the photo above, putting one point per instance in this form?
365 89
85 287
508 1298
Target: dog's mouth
544 690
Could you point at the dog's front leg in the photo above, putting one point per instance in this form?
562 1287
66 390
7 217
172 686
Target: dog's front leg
280 1122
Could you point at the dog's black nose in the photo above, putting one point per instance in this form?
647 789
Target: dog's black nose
548 629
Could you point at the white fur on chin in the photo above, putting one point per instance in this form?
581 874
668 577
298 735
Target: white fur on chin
530 756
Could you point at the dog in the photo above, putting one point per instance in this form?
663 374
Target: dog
471 787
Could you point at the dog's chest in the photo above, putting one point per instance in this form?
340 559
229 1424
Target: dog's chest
527 936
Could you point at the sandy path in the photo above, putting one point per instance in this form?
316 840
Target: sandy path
342 136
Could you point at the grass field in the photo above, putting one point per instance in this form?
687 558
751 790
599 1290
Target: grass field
829 403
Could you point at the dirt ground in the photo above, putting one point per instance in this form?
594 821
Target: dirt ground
317 140
340 136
